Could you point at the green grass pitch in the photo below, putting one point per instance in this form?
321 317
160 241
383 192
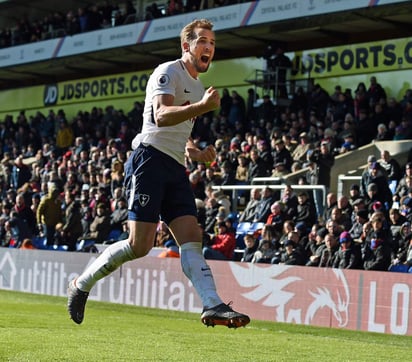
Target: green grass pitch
38 328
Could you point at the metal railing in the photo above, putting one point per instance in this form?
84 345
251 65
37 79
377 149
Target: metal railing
236 188
342 179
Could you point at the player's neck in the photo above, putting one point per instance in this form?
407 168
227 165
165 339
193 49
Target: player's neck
189 66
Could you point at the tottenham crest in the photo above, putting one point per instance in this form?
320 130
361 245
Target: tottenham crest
144 199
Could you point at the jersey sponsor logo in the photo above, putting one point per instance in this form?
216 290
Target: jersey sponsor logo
280 287
163 80
144 199
186 91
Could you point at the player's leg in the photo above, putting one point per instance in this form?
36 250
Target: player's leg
139 244
188 234
144 199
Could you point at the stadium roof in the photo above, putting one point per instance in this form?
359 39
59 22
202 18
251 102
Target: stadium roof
339 28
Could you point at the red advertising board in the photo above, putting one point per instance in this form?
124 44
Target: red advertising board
351 299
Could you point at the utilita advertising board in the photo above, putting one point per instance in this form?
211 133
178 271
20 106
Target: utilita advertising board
350 299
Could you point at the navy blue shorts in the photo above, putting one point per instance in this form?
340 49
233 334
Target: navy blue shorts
157 187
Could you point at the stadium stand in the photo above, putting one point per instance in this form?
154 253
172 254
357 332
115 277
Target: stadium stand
85 166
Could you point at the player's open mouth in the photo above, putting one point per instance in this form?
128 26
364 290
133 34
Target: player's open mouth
205 58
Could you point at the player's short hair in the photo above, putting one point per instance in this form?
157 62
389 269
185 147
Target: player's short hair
188 34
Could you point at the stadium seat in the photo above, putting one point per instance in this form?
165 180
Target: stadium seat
86 245
40 242
256 227
241 230
114 234
399 268
59 247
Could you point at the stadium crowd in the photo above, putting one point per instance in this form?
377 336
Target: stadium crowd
95 16
61 180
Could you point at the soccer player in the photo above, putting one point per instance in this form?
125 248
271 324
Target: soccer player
156 182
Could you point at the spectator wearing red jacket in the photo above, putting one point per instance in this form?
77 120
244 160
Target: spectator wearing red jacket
222 245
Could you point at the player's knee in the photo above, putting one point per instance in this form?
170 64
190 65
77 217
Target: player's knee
140 250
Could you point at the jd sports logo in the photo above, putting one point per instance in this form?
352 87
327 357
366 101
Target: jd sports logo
144 199
50 95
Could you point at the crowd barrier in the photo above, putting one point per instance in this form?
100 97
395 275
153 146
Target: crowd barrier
349 299
235 189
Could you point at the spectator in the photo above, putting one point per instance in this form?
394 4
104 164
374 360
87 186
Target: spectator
171 250
27 244
266 111
361 99
212 209
64 136
248 214
377 251
20 173
299 153
349 255
119 214
72 228
403 182
263 208
306 211
72 25
100 227
361 217
343 220
354 193
364 131
281 154
25 217
406 208
242 169
345 206
383 192
372 171
382 133
257 166
265 154
279 171
316 246
222 245
265 252
228 175
276 217
403 254
329 253
49 214
290 202
391 167
251 244
375 92
237 110
291 254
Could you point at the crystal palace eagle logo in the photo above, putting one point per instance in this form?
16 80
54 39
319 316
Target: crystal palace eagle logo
278 287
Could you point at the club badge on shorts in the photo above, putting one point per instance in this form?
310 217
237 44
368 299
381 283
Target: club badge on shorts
143 199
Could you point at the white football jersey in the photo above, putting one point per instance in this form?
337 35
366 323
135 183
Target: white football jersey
169 78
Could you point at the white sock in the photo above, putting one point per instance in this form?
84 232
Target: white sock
111 258
195 268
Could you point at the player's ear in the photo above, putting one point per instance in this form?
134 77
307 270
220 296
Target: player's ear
186 46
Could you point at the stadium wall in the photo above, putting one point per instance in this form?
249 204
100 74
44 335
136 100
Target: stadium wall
390 61
348 299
